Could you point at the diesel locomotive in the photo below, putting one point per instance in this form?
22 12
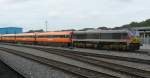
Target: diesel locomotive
99 39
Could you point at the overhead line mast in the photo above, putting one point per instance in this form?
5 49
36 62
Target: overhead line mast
46 23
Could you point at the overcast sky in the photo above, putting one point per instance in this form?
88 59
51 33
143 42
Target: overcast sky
68 14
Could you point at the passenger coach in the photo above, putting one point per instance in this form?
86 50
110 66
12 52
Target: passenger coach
54 38
25 37
8 37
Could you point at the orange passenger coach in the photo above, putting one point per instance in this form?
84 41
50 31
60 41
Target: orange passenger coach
8 37
61 37
25 37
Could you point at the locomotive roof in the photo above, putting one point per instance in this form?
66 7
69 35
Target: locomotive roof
102 31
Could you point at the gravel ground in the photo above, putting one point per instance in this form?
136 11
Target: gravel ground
32 69
107 52
7 72
125 63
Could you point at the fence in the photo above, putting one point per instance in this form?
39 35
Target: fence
146 40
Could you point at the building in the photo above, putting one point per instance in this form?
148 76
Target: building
10 30
144 34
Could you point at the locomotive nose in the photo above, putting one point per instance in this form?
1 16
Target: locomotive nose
135 40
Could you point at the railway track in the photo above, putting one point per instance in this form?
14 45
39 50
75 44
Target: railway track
112 66
120 51
84 73
115 67
138 51
102 55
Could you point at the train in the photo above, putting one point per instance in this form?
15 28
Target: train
95 39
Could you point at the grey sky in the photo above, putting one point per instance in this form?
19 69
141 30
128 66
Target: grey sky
67 14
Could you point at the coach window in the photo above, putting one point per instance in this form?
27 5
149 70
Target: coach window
9 37
12 36
55 36
43 36
59 36
22 36
30 36
4 36
62 36
18 36
49 36
67 36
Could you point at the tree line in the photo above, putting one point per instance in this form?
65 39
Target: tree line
145 23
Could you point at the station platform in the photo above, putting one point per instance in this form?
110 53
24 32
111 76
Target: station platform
145 46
